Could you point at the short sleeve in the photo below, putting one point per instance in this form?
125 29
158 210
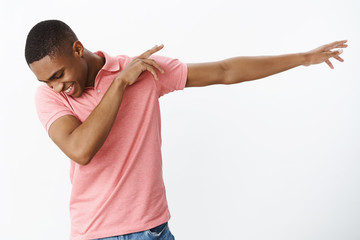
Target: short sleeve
174 77
50 106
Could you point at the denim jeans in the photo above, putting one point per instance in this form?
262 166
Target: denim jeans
161 232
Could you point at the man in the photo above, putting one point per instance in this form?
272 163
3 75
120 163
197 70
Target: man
103 113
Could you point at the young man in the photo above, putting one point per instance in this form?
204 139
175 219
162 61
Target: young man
103 113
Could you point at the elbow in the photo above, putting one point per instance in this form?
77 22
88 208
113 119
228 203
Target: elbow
225 75
82 161
82 158
83 153
231 73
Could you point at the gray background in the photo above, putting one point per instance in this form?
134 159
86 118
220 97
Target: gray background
276 158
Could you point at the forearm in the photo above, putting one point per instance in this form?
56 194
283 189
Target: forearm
88 137
242 69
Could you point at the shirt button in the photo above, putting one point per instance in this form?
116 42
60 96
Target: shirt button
98 91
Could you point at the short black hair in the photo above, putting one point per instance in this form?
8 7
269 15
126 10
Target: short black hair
48 38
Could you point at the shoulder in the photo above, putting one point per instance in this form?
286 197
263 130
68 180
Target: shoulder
45 91
165 59
45 96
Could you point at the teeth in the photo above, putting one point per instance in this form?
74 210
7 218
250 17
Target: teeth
69 89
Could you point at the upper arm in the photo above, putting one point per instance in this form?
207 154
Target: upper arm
204 74
59 121
174 76
60 131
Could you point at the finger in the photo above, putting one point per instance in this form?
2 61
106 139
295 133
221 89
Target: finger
336 44
151 51
333 54
151 70
340 45
153 63
339 58
329 63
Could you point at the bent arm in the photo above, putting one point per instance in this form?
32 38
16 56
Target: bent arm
81 141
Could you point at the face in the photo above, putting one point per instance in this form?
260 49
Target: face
65 72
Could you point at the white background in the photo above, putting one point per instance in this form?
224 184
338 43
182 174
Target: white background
276 158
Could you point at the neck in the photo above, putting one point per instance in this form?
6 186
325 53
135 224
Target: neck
95 63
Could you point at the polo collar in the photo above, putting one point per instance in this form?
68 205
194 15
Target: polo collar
111 63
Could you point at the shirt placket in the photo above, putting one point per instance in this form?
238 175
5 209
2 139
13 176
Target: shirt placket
98 90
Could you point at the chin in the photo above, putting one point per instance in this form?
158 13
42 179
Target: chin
77 95
78 92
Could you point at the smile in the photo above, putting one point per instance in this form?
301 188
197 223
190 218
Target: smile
69 89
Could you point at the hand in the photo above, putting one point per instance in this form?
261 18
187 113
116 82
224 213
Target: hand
324 53
140 64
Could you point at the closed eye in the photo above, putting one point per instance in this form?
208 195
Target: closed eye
58 74
61 75
57 77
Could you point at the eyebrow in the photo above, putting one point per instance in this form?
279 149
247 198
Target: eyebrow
53 75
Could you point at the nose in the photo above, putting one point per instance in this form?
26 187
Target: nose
57 86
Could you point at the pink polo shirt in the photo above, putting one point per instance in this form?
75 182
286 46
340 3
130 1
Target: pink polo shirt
121 190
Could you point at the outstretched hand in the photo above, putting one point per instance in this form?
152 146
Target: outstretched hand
324 53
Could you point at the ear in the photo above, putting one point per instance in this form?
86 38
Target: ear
78 49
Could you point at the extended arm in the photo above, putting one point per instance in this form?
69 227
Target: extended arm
240 69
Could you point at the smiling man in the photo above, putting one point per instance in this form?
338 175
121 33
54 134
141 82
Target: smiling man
103 113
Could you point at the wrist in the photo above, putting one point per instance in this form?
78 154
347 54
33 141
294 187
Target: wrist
305 59
121 83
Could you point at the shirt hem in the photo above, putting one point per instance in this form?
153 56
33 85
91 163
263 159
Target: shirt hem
120 232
